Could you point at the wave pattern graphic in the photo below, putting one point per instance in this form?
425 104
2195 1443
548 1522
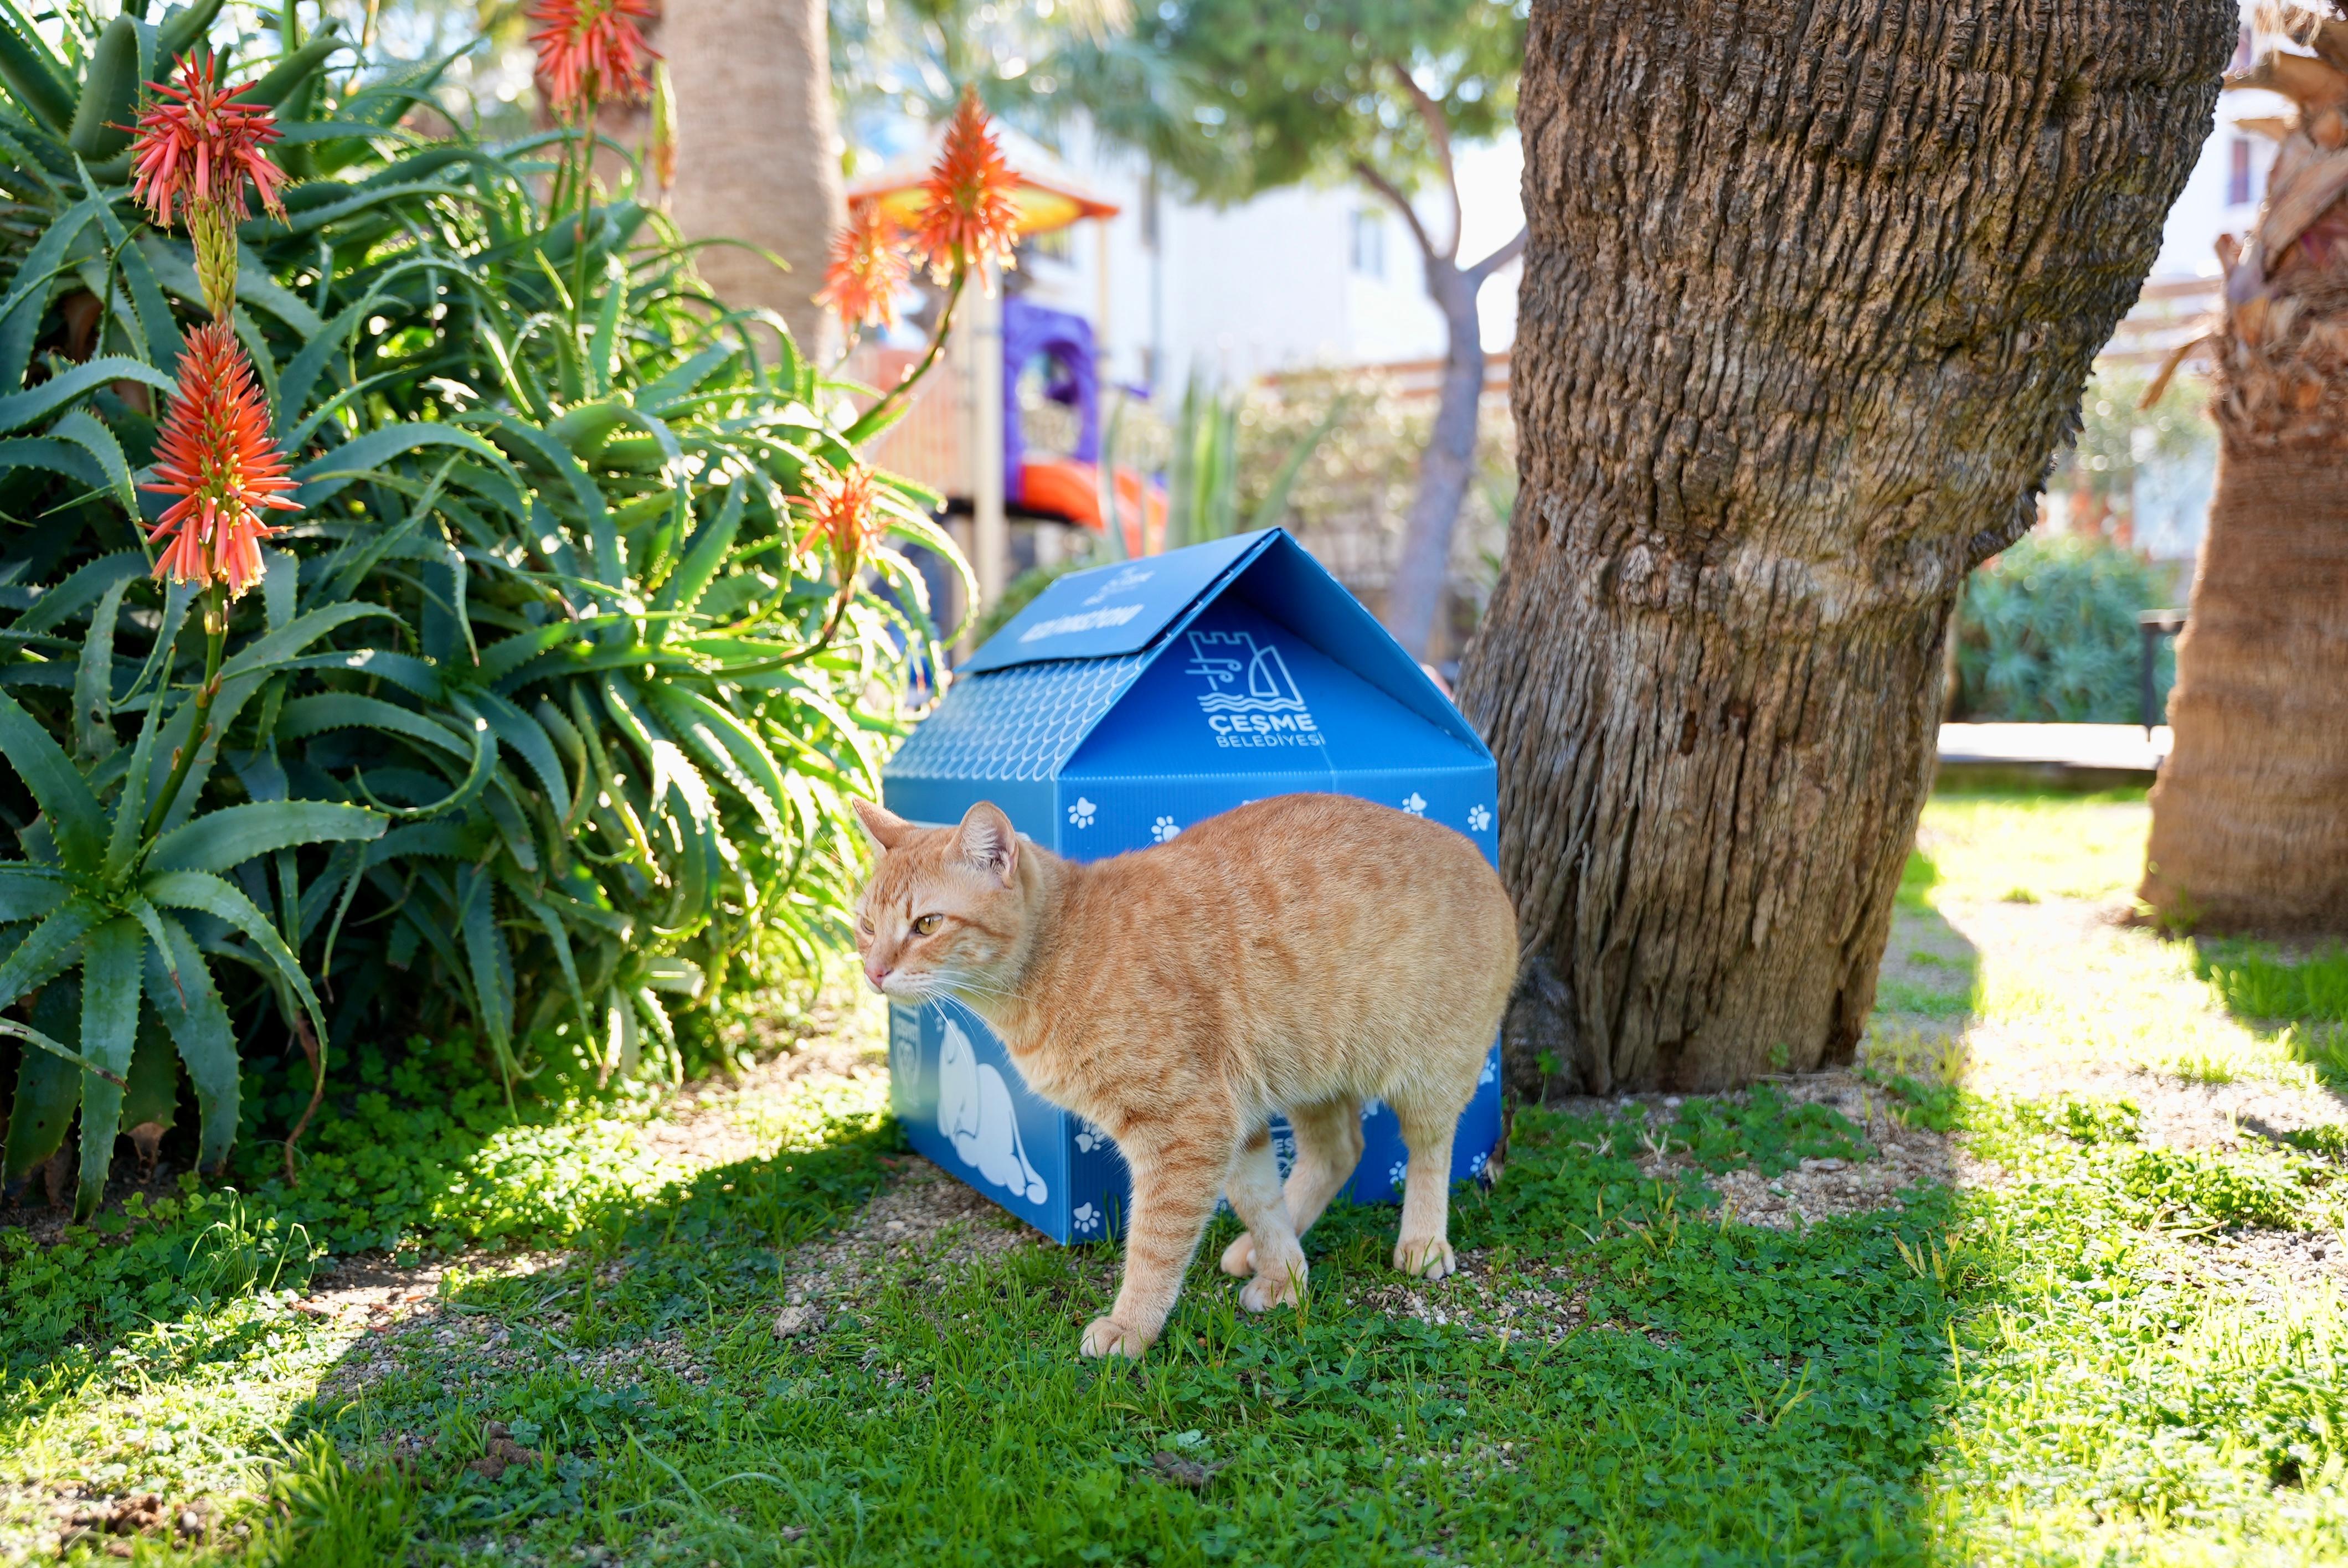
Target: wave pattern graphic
1218 702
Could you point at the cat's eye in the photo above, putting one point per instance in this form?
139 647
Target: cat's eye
928 923
864 924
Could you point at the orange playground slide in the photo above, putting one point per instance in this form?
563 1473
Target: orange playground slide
1064 488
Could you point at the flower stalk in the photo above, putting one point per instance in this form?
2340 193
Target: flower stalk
193 151
215 618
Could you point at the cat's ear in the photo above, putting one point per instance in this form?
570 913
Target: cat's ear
988 843
884 827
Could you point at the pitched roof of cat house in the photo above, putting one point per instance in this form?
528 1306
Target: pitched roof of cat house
1131 699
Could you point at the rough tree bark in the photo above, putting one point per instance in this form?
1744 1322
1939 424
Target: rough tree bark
1810 297
757 157
2249 819
1423 570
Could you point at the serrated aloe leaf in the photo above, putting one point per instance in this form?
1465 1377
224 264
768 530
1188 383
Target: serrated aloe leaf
110 1029
190 1010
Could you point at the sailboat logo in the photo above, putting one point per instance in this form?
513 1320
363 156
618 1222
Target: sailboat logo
1246 677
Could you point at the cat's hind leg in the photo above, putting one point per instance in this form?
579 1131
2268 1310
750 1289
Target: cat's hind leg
1253 1189
1428 1126
1174 1190
1328 1147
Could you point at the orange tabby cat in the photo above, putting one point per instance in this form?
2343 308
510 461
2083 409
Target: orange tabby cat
1299 955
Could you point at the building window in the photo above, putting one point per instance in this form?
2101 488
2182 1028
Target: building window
1370 243
2241 186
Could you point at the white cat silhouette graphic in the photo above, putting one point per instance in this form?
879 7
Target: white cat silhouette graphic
974 1111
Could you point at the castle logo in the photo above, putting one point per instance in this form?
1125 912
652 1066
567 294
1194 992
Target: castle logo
1251 699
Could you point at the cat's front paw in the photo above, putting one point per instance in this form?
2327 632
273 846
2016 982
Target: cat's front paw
1428 1257
1239 1258
1107 1337
1282 1286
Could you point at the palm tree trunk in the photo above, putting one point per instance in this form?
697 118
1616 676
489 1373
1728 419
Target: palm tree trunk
2249 819
1811 295
758 158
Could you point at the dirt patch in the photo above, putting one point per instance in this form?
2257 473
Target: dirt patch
924 1218
1544 1303
2252 1268
81 1516
717 1121
1821 1189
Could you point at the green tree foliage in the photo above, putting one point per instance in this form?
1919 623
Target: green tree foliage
546 708
2047 632
1332 88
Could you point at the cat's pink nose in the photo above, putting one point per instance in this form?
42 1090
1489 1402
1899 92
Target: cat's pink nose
875 975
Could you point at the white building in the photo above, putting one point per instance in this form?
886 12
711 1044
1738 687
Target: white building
2222 196
1298 278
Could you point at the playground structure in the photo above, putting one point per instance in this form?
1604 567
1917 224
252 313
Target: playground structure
961 434
931 442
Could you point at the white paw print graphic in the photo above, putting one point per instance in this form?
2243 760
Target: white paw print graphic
1479 819
1415 804
1081 814
1491 1070
1371 1108
1088 1219
1401 1169
1164 829
1088 1140
1476 1166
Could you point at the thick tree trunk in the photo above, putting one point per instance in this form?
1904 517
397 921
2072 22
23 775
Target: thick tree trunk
1811 295
2249 819
756 159
1423 571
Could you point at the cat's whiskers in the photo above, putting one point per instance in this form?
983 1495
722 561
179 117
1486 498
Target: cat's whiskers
961 983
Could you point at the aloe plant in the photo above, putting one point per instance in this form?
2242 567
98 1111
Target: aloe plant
570 657
103 893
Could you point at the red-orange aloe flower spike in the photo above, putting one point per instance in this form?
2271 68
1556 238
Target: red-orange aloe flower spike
869 266
216 454
592 51
971 219
841 510
196 142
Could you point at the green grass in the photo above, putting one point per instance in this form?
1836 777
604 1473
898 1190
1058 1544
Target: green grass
1996 846
2050 1368
2301 1004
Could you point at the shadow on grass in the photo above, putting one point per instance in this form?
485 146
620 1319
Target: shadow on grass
1619 1375
419 1156
2300 1001
1928 991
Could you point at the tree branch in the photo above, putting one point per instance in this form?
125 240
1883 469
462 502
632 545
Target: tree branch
1369 176
1497 260
1438 132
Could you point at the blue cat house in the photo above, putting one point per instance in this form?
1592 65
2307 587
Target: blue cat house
1126 704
